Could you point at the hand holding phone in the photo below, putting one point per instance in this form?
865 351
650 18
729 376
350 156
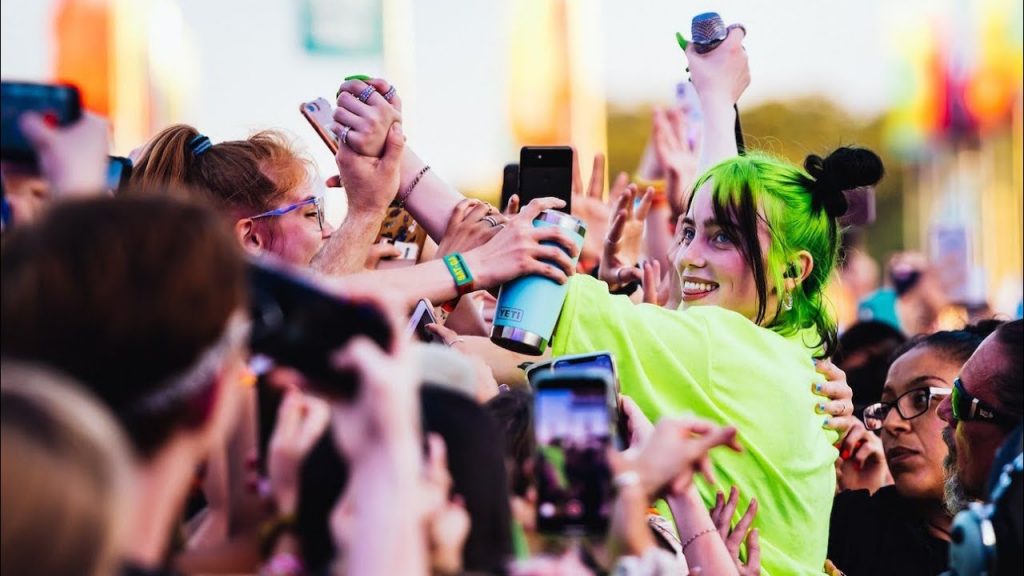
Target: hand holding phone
422 315
297 324
58 105
546 172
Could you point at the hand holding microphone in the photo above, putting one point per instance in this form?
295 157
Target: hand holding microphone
717 63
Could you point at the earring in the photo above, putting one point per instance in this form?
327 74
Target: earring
787 300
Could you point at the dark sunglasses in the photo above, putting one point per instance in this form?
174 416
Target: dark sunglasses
967 407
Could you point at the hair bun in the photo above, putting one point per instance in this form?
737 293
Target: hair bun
844 169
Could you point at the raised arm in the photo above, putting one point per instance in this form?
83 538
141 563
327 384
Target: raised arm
720 77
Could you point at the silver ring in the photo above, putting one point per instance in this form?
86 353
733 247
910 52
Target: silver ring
344 134
366 93
390 93
490 220
618 275
454 342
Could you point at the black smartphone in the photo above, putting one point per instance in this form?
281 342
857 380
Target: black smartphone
574 423
545 171
509 184
119 171
60 104
422 315
603 361
297 324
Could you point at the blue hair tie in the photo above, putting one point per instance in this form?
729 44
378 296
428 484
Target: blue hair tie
199 144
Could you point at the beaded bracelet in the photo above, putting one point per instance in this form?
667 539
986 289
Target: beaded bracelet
412 186
697 535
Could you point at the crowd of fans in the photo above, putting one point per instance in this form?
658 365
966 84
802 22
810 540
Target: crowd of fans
759 431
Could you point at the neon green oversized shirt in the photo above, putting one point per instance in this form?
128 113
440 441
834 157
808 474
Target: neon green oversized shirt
718 365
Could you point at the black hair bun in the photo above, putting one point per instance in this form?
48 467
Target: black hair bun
844 169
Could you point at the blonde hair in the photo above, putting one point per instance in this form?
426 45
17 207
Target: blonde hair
66 485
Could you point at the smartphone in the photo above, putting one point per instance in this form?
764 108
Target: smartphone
574 424
402 230
422 315
60 104
602 361
297 324
689 103
320 116
119 171
545 171
509 184
861 210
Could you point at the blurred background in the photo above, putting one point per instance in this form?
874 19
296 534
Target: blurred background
935 86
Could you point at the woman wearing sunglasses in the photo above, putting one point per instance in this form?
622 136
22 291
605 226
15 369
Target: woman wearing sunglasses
901 528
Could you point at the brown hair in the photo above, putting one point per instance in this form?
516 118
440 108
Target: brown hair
125 295
66 478
241 177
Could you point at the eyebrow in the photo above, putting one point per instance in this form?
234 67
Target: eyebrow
707 223
912 385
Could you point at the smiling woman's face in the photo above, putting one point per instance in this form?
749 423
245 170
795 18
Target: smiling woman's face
712 269
914 448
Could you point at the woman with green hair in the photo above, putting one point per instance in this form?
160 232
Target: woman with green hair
757 245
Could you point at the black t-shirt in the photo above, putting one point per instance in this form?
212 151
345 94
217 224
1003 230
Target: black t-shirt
881 534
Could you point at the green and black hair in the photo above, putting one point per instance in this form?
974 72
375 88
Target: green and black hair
801 211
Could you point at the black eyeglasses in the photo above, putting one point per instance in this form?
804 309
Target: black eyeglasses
967 407
909 405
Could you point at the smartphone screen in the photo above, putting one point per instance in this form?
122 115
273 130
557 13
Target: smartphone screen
574 427
58 103
421 316
545 171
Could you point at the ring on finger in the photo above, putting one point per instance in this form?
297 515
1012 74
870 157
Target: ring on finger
454 342
344 134
390 93
366 93
490 220
608 240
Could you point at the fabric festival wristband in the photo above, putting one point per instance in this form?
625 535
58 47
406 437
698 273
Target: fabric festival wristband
460 273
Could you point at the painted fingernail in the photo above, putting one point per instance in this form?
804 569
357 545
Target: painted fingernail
362 77
817 387
819 407
826 423
845 454
682 41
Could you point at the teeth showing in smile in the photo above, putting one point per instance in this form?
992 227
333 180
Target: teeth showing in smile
698 286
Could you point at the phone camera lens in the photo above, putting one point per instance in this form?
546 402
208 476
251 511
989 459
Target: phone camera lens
540 156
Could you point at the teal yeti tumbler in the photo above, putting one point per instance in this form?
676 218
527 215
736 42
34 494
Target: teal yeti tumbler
528 307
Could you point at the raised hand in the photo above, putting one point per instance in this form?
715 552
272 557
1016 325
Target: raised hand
72 158
677 450
301 420
676 153
371 183
592 207
624 242
367 119
734 536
